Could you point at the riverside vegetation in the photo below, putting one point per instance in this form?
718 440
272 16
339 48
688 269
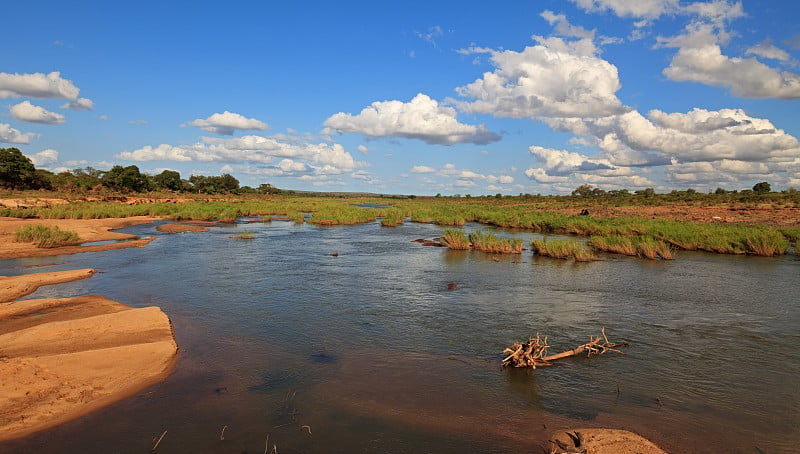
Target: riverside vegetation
650 237
46 237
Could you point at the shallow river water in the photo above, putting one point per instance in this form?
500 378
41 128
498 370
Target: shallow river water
374 353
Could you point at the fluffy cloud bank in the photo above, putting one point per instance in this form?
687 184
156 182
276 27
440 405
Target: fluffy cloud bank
632 139
556 78
422 118
699 147
226 123
294 156
562 168
25 111
39 85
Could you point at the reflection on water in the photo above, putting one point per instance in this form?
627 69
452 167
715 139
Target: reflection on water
375 351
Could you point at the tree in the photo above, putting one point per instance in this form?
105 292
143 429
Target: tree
168 179
126 179
647 193
214 185
762 188
267 188
228 183
584 190
16 170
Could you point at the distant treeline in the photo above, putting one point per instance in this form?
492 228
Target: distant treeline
17 172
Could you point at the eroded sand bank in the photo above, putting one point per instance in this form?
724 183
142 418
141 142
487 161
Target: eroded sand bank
61 358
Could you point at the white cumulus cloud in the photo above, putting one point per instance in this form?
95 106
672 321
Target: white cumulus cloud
319 157
422 169
632 139
648 9
37 85
422 118
25 111
700 59
79 104
556 78
768 50
44 158
227 122
11 135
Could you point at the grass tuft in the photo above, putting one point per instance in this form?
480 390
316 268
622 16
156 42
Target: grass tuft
563 249
46 237
455 239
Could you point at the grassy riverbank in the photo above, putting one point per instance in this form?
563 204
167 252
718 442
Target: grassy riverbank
650 229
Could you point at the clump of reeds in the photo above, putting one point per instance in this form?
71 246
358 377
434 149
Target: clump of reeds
767 245
455 239
563 249
616 244
298 217
640 246
392 218
46 237
651 248
246 235
489 242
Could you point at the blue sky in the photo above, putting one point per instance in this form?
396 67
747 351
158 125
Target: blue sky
411 97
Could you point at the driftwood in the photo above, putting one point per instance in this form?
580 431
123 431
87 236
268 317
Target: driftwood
533 353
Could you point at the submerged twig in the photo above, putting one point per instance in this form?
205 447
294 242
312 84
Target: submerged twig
159 441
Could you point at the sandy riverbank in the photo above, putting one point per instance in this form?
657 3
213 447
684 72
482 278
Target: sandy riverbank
89 230
61 358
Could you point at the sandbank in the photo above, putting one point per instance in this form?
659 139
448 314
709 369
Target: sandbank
89 230
181 228
61 358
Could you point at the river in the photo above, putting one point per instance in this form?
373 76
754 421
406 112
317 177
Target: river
373 349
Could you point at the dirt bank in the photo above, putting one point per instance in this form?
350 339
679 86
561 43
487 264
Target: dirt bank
61 358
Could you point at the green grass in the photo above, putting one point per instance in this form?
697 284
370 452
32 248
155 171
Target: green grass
46 237
246 235
534 213
616 244
640 246
563 249
455 239
489 242
392 217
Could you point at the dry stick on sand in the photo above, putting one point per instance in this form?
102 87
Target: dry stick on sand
532 353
